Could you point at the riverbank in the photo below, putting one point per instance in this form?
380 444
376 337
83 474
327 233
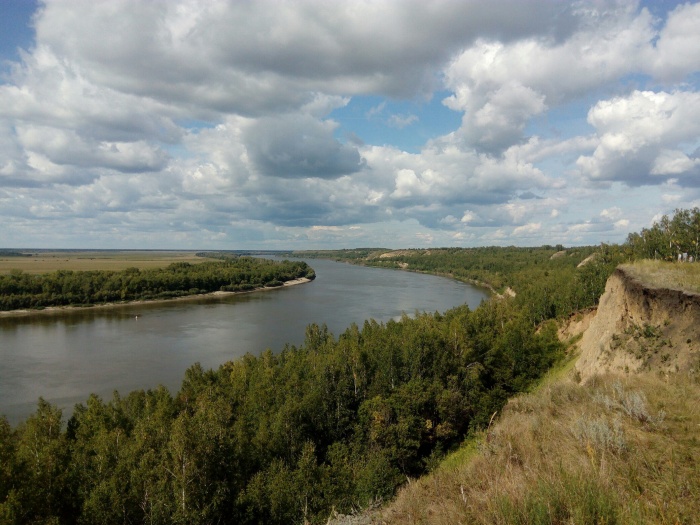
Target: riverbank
49 310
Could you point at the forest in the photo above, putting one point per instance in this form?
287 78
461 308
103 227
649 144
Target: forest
63 287
334 424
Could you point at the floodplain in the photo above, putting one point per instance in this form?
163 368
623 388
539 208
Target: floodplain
45 261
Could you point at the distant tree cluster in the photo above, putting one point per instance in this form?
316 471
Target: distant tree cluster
276 439
64 287
669 237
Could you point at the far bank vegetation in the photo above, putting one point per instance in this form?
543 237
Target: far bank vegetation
64 287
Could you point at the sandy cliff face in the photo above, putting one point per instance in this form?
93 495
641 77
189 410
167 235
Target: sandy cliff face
641 328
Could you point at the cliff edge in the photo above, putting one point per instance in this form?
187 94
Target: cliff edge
641 327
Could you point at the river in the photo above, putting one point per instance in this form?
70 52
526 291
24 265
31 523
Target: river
65 356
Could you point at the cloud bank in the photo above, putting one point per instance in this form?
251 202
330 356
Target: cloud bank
225 124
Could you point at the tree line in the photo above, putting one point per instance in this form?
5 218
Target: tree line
64 287
668 237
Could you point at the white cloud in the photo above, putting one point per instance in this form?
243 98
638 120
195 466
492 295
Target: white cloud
402 121
527 229
468 217
136 119
500 86
673 162
671 198
611 213
677 51
638 136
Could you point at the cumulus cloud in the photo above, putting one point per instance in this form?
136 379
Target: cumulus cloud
527 229
138 118
638 136
677 50
186 52
66 147
500 86
298 146
674 162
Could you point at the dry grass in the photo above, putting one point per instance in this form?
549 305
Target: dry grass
660 274
612 451
49 261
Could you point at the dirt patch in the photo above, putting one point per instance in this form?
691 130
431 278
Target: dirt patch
401 253
587 260
576 325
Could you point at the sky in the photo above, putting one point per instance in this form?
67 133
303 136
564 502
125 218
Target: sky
271 124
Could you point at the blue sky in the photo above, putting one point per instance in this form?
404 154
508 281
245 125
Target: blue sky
313 124
15 27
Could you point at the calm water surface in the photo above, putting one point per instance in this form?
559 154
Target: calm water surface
65 357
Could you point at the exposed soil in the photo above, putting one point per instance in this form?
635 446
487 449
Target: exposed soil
639 327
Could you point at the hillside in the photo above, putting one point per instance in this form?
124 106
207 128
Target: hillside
609 438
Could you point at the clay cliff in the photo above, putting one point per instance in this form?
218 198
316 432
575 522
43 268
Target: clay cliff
641 327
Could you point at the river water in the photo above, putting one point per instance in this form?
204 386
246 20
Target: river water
66 356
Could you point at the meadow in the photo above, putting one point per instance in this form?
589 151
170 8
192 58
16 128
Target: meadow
663 274
44 261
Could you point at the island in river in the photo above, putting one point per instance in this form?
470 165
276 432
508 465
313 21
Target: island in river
24 292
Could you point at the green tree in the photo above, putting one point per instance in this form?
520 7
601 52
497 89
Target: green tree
46 493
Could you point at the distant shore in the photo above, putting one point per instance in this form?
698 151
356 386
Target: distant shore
102 306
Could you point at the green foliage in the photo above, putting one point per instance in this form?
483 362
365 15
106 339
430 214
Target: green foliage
43 486
279 438
22 290
574 500
668 237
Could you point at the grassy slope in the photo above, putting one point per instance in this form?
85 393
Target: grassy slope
609 451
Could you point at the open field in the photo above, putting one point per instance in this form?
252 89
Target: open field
660 274
49 260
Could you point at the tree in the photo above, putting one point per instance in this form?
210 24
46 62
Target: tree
43 455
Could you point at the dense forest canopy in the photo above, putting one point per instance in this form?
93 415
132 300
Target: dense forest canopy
23 290
333 424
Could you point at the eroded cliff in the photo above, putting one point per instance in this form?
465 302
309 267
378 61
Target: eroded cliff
641 327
